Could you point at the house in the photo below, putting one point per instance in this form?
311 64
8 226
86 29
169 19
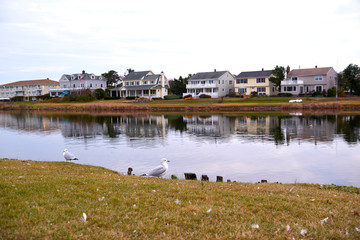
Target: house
28 89
143 84
248 83
77 82
215 84
309 80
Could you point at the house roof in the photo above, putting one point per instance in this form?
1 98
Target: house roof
84 76
309 71
207 75
136 75
32 82
255 74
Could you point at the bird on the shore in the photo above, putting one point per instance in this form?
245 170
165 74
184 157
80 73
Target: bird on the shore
160 170
69 156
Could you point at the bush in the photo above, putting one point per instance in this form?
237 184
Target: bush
17 99
169 97
285 95
204 96
79 96
188 96
99 93
130 98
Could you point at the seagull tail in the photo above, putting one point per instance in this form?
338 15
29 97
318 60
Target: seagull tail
75 159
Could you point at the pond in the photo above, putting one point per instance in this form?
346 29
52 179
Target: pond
287 148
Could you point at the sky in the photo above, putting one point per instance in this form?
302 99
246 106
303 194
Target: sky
47 38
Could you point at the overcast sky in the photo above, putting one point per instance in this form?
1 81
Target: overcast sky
48 38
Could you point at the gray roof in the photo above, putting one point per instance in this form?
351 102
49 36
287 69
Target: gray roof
84 76
152 77
136 75
255 74
207 75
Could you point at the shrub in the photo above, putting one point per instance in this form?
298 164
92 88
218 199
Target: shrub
130 98
285 95
188 96
204 96
80 96
17 99
168 97
99 93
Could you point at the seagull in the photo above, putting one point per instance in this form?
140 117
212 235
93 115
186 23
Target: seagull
160 170
69 156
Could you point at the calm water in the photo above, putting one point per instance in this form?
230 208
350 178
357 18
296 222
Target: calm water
312 149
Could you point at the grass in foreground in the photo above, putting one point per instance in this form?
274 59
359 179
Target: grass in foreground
46 200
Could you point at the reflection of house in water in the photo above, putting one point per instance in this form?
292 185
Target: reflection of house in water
317 128
255 125
214 125
132 126
29 121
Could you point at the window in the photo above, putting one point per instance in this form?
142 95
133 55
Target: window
230 82
145 82
260 80
211 81
146 91
242 90
203 82
126 83
90 84
294 78
82 85
101 85
73 85
290 89
132 83
242 80
318 88
261 89
64 86
318 78
152 82
137 83
222 81
152 92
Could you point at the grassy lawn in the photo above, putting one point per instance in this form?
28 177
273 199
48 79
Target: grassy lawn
47 200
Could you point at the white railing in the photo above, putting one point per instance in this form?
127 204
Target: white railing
292 82
206 85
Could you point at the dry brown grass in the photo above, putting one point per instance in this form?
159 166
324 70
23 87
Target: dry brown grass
46 200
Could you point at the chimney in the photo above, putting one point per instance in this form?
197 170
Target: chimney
83 71
215 70
315 66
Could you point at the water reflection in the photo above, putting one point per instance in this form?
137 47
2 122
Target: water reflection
285 148
277 129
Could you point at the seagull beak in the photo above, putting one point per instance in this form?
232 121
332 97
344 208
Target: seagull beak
168 160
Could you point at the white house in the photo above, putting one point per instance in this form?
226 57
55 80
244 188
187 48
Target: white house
309 80
215 84
29 89
144 84
77 82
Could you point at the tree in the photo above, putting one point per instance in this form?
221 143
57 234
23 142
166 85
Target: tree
179 85
112 77
351 77
279 73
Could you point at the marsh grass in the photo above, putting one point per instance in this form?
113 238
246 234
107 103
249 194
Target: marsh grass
46 200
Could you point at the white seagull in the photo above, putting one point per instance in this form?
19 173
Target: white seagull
69 156
160 170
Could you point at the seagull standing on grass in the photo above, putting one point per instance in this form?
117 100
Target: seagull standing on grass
69 156
160 170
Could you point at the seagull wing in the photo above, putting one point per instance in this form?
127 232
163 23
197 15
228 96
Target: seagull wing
69 156
157 171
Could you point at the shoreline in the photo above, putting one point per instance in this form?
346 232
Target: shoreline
117 106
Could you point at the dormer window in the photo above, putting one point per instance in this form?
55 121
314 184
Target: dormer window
294 78
92 77
72 77
145 82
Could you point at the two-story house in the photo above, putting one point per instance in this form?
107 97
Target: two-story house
28 89
307 81
215 84
143 84
255 82
77 82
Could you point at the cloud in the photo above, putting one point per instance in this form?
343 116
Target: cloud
177 37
